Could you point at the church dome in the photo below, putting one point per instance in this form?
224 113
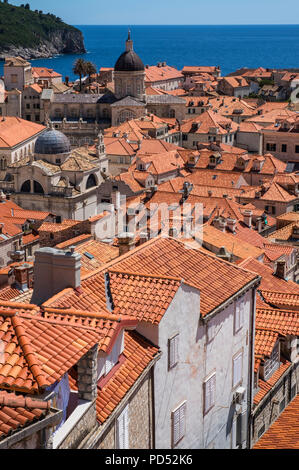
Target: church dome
129 61
52 142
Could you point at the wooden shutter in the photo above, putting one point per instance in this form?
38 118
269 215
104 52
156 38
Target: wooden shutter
178 423
173 351
210 392
237 369
123 429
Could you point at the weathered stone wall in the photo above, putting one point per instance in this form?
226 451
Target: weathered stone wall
81 429
266 413
53 238
140 421
87 375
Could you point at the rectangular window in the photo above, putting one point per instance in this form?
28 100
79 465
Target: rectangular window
284 148
122 430
271 147
178 424
237 369
111 360
271 364
239 315
261 431
297 148
282 405
209 393
173 351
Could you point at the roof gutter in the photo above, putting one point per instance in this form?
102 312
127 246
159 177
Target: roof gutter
255 283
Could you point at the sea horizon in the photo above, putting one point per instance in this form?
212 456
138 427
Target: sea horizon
229 46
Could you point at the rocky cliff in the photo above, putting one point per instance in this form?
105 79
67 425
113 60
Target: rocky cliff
34 34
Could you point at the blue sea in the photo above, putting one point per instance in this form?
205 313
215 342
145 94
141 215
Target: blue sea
231 47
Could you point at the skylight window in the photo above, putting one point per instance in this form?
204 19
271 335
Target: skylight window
88 255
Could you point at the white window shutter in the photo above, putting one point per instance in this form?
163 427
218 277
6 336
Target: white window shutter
176 426
237 369
173 351
123 429
178 423
210 392
182 420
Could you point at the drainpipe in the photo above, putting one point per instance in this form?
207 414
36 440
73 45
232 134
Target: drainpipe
153 427
250 370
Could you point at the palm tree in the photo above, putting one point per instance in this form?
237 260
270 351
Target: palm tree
79 68
90 69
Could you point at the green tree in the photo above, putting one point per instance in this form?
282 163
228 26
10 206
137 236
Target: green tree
79 68
90 69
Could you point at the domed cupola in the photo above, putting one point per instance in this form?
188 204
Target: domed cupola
52 142
129 74
129 61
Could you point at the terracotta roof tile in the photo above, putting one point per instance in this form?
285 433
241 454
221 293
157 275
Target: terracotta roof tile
17 412
284 432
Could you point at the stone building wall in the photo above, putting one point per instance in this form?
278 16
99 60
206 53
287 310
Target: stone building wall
81 429
140 421
269 410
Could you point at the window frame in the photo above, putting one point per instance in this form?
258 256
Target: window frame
211 377
175 341
182 408
234 358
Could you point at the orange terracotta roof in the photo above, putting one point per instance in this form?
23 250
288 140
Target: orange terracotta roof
17 412
269 281
9 293
138 354
281 300
208 120
266 386
284 432
142 296
30 238
74 241
38 351
264 342
14 130
284 322
216 238
157 74
44 72
101 253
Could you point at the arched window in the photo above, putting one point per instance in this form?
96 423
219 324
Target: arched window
3 163
172 113
25 187
126 115
91 182
37 187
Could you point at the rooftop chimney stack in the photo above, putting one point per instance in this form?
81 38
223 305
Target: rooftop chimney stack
248 218
126 242
54 270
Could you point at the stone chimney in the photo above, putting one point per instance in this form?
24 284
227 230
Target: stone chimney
259 224
126 242
87 375
231 224
280 270
55 270
248 218
23 277
220 224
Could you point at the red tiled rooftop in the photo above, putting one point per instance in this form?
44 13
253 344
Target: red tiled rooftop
284 432
17 412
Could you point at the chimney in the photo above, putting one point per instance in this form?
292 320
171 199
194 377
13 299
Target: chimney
126 242
231 223
259 224
55 270
248 218
143 236
223 254
280 269
220 224
21 273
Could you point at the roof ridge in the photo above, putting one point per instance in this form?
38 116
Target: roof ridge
84 313
28 351
171 278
